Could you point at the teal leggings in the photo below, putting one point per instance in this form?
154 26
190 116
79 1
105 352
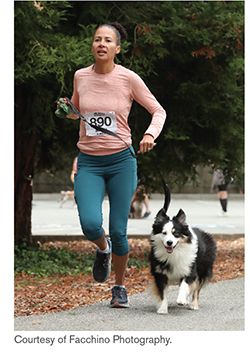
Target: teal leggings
115 175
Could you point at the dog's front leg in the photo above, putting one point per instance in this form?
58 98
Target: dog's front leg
163 309
184 292
195 295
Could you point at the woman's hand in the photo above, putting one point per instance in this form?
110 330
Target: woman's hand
64 110
146 144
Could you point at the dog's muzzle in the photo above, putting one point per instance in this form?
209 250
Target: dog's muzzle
169 246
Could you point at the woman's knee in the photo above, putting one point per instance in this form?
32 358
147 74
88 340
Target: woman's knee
120 245
91 227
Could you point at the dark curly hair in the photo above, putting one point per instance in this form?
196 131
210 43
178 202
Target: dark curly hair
120 31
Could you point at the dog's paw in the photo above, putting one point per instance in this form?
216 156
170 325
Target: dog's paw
194 306
163 309
182 302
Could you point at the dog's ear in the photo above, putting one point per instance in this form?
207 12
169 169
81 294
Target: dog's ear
162 215
181 217
160 219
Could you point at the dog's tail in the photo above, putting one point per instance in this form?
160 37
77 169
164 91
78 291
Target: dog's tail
167 196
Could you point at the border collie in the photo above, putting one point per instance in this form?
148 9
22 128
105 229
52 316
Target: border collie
179 255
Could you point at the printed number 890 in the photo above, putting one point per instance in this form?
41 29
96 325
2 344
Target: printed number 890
100 121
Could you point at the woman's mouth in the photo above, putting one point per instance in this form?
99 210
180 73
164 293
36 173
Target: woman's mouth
101 52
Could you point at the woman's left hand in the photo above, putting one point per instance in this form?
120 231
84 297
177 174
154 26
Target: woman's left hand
146 144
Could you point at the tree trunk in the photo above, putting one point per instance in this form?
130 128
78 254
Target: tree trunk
25 145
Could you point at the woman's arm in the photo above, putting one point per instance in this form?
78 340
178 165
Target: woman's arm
142 95
74 99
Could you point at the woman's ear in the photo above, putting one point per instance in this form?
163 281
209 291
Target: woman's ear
118 49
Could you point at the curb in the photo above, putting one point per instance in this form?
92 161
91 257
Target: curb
70 238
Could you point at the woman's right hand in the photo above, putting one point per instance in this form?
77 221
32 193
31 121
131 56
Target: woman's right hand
64 110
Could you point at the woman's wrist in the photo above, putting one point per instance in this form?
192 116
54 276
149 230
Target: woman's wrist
148 134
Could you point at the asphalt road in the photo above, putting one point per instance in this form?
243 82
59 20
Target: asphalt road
221 309
221 304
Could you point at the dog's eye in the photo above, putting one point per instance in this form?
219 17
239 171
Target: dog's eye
176 233
164 233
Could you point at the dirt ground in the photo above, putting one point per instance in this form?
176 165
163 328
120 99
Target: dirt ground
39 295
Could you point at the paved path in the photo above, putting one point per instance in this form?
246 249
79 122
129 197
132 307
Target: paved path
221 304
221 308
202 211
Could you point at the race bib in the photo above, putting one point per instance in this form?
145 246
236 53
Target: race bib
105 120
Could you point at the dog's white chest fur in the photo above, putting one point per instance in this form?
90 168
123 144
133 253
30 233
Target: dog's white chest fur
178 263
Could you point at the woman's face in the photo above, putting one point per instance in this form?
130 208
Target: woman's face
104 46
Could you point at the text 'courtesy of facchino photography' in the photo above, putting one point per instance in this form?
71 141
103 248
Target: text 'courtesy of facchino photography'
94 339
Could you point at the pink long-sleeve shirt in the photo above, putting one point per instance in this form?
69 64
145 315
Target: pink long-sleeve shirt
112 92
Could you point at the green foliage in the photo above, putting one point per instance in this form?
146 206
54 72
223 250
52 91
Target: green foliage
41 262
190 54
43 51
52 261
138 262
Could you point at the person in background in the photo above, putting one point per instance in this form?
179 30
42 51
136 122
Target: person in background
140 204
220 183
69 194
74 170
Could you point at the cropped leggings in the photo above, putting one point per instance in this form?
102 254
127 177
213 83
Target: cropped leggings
116 175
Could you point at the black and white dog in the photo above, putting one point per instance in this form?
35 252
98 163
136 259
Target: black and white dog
179 255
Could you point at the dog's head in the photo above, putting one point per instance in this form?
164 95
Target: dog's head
170 232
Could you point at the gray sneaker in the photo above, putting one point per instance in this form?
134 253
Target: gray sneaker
102 264
119 297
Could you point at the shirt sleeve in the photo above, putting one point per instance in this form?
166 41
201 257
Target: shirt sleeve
141 94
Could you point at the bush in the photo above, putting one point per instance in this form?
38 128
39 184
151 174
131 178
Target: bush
51 261
45 262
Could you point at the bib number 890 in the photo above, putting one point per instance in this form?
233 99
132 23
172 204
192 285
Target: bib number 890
101 121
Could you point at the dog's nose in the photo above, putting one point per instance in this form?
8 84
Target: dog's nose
169 243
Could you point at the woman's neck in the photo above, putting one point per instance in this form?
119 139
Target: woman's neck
103 67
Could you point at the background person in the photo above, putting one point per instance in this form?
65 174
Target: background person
69 194
74 170
140 204
220 183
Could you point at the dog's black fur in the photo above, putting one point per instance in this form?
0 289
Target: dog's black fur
180 255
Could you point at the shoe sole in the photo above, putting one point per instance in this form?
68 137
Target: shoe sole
119 305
